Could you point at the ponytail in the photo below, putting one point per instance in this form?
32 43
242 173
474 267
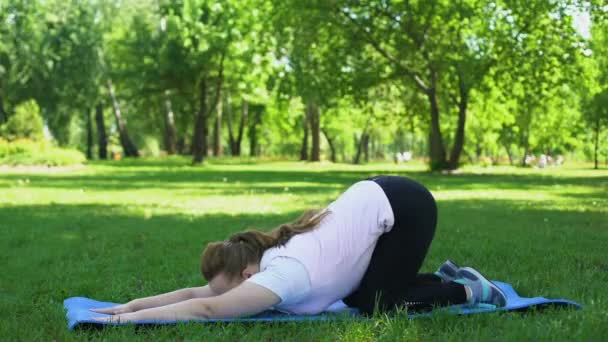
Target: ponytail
244 248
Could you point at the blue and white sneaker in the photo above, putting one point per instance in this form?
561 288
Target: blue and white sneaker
482 290
448 271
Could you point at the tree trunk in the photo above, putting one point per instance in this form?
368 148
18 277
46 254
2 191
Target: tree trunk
361 141
365 143
462 116
217 129
315 124
304 148
315 129
526 150
181 146
89 134
525 133
199 141
125 140
372 147
170 131
253 130
102 138
597 141
436 147
244 117
360 148
3 115
235 142
509 154
477 152
526 143
229 119
332 146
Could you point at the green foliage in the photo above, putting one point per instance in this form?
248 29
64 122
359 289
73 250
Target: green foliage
520 72
598 108
151 147
25 123
27 152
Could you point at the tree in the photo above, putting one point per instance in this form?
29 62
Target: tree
257 111
24 63
289 78
306 126
444 50
597 116
102 138
595 104
314 68
235 141
201 32
170 136
25 123
146 84
89 130
125 139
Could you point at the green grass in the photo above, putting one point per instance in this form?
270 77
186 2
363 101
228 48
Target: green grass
121 230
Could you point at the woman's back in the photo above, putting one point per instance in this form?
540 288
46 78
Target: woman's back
337 253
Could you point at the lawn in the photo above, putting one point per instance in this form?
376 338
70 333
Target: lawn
120 230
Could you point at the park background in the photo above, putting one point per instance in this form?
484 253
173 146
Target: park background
347 81
134 132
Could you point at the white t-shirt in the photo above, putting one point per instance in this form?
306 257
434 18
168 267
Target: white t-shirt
286 277
317 268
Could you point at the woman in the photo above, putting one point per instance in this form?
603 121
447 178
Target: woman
365 248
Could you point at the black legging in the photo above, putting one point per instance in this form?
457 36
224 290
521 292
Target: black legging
391 279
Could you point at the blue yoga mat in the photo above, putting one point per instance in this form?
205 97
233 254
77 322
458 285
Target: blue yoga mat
78 313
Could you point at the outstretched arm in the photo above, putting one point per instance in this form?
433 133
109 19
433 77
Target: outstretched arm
159 300
244 300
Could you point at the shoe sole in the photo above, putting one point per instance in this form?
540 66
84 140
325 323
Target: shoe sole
482 278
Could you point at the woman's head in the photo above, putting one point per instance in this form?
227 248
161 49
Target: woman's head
228 263
226 260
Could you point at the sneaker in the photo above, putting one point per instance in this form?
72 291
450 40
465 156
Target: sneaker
482 290
448 271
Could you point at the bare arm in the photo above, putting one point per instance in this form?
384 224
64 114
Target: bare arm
160 300
246 299
171 297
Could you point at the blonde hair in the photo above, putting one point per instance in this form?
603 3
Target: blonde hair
233 255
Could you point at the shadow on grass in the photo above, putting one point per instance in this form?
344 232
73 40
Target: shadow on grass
183 161
234 182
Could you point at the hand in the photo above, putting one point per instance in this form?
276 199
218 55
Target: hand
118 318
115 310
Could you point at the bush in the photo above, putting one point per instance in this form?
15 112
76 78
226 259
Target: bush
28 152
26 123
